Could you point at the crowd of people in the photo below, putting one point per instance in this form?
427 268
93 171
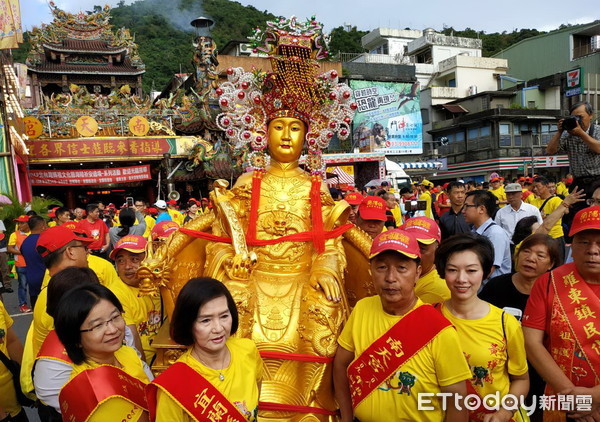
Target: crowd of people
490 262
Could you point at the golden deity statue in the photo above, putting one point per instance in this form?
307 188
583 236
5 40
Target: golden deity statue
276 238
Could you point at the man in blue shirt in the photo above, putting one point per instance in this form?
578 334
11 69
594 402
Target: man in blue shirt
35 268
479 209
163 214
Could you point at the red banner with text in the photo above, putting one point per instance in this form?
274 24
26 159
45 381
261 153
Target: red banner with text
89 176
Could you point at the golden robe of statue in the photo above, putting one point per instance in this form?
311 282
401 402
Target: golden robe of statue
291 300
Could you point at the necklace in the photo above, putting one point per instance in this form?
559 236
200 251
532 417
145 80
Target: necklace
221 376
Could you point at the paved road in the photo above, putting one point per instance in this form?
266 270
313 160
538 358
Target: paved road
21 325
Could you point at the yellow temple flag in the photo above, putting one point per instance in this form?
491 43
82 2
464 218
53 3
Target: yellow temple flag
11 32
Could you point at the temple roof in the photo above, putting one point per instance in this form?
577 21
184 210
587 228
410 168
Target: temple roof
80 35
84 46
88 69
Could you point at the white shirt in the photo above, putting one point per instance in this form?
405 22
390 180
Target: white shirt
507 217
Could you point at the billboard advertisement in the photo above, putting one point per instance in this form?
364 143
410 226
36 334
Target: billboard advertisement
388 118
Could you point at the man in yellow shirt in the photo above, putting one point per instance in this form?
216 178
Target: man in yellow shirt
142 207
497 189
143 314
395 350
547 203
425 187
430 287
174 212
371 215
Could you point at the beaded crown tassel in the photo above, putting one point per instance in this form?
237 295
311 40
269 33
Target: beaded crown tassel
249 100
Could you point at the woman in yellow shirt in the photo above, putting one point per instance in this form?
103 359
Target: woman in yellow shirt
12 348
218 377
108 378
491 339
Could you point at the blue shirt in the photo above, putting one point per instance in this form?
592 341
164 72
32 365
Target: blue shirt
499 238
35 268
163 216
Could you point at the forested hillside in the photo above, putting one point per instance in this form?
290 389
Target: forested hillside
164 35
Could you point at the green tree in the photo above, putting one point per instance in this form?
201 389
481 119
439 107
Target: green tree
344 41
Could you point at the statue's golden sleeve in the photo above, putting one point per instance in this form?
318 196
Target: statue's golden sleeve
180 240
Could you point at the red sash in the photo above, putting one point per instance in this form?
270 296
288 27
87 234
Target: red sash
52 348
197 396
574 331
81 396
390 351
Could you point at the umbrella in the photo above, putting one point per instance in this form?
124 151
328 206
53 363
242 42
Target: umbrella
5 199
377 182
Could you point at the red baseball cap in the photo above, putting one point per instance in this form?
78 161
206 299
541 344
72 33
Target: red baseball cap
495 179
424 229
132 243
528 180
54 238
372 208
445 185
71 225
586 219
172 202
354 198
163 229
396 240
22 219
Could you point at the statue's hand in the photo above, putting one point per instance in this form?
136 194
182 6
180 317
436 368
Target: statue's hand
328 284
241 265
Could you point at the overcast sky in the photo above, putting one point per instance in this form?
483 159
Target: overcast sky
488 16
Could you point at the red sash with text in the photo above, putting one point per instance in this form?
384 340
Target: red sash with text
574 331
81 396
390 351
52 348
203 401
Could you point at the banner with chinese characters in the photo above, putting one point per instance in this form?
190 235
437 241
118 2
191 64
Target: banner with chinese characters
89 176
11 32
388 118
115 149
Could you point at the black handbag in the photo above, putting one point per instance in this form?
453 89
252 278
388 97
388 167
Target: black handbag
15 370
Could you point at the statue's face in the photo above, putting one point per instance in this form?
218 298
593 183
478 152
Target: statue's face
286 138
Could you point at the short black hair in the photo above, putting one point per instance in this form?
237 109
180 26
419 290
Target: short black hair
523 229
195 294
65 280
453 185
476 243
89 208
31 213
61 211
35 221
405 190
486 199
73 309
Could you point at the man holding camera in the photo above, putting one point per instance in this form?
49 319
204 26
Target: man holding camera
581 143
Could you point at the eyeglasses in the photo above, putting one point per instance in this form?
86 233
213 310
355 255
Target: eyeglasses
98 328
593 201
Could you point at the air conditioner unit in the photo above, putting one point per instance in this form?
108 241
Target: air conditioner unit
473 90
245 49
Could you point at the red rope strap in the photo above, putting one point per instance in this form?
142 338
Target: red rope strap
317 214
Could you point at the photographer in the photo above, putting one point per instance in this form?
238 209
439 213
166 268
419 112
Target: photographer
582 145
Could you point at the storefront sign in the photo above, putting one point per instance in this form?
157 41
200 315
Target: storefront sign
574 83
113 149
86 126
89 176
388 118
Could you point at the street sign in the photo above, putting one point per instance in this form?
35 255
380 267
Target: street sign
574 83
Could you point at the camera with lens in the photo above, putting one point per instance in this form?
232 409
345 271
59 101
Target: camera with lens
571 122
